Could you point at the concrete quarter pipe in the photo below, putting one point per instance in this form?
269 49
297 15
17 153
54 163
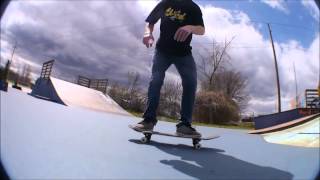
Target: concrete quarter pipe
74 95
302 132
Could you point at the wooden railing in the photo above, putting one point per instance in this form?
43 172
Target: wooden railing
46 69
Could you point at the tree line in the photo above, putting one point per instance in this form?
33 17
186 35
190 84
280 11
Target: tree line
220 98
21 76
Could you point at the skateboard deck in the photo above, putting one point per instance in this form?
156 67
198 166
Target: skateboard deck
195 139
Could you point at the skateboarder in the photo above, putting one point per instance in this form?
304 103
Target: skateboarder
179 20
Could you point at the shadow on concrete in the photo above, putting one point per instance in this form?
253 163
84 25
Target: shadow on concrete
210 163
3 173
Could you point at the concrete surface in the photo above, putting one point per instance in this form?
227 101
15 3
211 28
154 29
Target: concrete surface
46 140
306 135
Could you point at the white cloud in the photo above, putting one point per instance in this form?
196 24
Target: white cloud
277 4
99 37
252 55
312 7
307 66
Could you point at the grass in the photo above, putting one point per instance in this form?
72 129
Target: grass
242 125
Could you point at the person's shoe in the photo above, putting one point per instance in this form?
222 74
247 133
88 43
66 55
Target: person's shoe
184 129
144 126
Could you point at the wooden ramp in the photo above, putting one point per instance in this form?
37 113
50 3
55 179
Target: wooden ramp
285 125
74 95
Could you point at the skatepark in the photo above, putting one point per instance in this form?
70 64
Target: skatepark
66 140
60 129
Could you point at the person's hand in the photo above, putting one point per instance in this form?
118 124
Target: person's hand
148 40
182 33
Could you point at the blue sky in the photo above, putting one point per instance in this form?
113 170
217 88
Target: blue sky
296 22
78 36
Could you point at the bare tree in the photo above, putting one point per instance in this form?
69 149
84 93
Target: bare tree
210 65
170 98
233 84
128 96
134 97
133 81
116 93
26 75
5 71
172 90
223 94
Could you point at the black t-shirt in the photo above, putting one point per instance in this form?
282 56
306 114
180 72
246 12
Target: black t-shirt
175 14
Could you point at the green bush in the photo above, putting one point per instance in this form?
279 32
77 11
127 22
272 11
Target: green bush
215 108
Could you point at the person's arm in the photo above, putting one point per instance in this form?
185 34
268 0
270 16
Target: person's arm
198 30
195 26
148 29
148 37
182 33
152 19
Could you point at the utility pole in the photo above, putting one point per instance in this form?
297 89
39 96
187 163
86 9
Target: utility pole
276 67
14 48
318 3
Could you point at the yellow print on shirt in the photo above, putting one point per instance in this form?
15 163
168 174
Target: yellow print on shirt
175 14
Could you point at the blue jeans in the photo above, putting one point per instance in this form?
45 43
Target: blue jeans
188 73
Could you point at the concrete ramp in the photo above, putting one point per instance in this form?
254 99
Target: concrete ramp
286 125
304 135
43 140
303 132
74 95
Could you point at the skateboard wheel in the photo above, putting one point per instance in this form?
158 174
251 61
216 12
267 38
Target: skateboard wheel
197 146
144 140
195 141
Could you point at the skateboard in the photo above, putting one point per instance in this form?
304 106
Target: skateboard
195 139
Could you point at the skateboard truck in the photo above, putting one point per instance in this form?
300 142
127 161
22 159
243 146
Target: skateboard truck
196 144
146 138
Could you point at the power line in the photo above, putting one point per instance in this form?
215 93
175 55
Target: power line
283 24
